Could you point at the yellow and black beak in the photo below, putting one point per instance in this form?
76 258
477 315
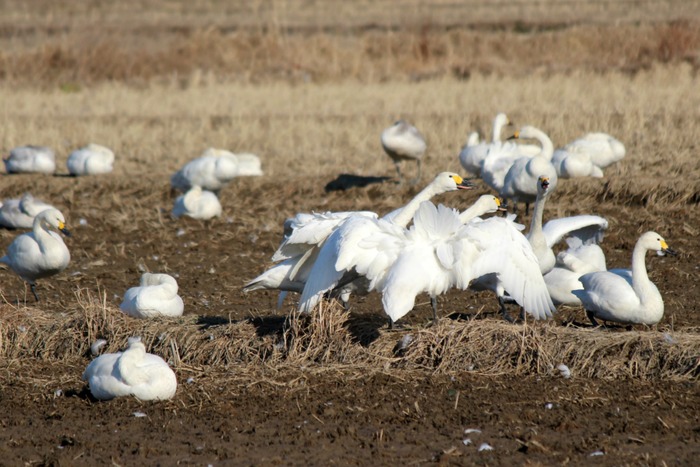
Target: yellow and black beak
666 250
463 183
63 229
516 135
501 205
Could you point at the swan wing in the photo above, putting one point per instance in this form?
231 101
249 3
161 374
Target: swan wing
589 228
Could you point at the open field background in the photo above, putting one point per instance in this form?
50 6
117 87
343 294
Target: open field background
308 86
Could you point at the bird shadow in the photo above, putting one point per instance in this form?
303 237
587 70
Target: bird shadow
347 181
364 328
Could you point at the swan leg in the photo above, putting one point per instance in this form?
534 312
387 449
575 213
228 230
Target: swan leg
433 302
33 288
504 310
591 316
417 179
522 314
397 164
527 208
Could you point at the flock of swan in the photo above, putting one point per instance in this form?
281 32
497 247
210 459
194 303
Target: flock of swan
41 253
417 248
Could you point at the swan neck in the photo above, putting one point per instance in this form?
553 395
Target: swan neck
406 213
640 278
470 213
537 214
547 146
497 129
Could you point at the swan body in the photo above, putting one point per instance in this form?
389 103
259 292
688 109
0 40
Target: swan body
602 149
20 213
520 183
132 372
214 169
579 259
155 296
197 204
93 159
41 252
574 164
344 255
440 252
402 141
626 295
31 159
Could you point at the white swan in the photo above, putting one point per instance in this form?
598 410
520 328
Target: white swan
214 169
440 252
92 159
474 152
520 183
569 164
602 149
198 204
336 256
155 296
586 228
41 252
402 141
579 259
31 159
624 295
20 213
132 372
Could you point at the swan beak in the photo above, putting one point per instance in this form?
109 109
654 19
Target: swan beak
501 205
666 250
545 182
516 135
463 184
63 229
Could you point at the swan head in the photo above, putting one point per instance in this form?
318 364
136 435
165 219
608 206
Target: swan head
542 185
450 181
655 242
491 203
501 120
526 132
52 218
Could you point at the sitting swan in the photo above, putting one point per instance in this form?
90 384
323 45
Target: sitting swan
41 252
214 169
93 159
132 372
197 204
20 213
602 149
403 142
624 295
155 296
31 159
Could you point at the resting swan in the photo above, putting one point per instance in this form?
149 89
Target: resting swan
20 213
41 252
602 149
155 296
31 159
214 169
92 159
624 295
197 204
580 258
403 142
132 372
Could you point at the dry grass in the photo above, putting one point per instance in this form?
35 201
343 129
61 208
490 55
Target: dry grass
329 339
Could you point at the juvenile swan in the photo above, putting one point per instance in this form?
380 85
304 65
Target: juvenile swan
41 252
132 372
624 295
155 296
